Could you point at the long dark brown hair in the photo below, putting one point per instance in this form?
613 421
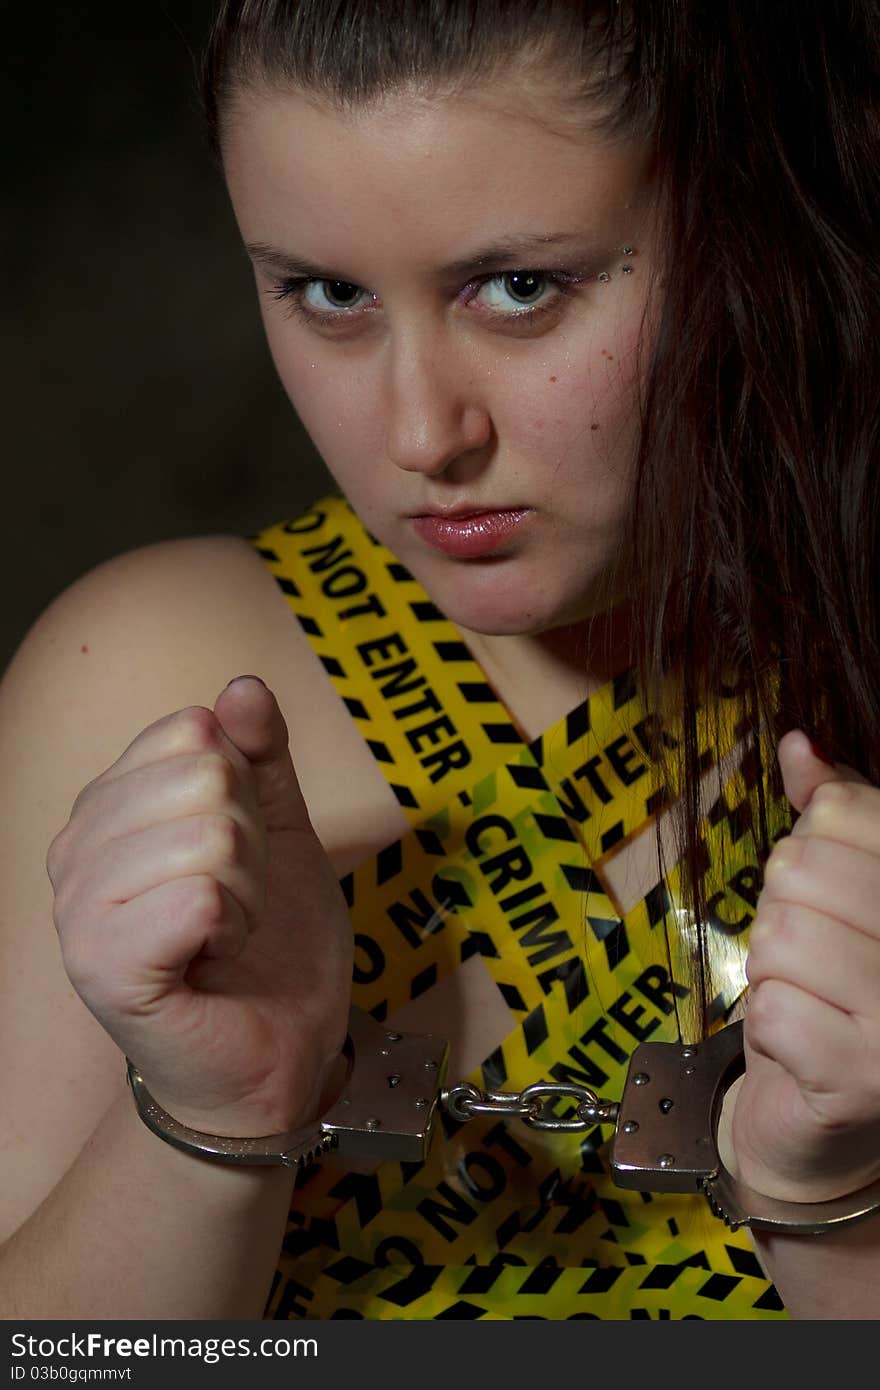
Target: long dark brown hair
755 502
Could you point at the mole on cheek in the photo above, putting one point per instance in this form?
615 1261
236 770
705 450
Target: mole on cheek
552 378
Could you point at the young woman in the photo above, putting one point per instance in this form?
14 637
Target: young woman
576 302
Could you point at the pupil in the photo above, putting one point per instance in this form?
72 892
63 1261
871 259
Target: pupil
524 285
340 292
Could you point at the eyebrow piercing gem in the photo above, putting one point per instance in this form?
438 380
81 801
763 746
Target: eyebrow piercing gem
626 269
603 276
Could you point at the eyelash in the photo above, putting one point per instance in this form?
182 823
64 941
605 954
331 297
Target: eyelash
290 291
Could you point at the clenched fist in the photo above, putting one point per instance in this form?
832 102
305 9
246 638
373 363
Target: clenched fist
806 1125
201 922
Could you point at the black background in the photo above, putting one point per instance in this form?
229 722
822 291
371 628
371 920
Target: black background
139 398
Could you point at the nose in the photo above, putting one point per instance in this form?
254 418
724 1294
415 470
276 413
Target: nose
435 410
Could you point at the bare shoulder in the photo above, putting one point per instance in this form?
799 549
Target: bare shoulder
140 636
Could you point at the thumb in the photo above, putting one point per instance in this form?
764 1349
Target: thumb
249 715
805 767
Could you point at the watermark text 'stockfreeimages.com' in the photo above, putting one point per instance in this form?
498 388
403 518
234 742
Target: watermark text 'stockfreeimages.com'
30 1353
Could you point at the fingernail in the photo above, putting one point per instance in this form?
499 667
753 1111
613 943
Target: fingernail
819 752
248 677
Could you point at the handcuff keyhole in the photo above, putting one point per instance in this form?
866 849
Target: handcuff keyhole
665 1105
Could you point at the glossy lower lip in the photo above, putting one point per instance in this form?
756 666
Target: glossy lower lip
470 536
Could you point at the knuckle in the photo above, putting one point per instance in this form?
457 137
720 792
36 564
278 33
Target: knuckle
196 728
214 778
56 854
826 808
205 899
223 838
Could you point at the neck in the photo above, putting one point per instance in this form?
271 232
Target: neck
541 676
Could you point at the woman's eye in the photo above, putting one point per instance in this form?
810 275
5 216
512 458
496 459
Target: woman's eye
333 296
516 291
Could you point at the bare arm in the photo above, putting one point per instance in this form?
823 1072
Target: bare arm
99 1217
136 1229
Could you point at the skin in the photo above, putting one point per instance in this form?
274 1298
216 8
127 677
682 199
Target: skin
433 389
428 390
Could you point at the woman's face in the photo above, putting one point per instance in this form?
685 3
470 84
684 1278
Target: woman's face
428 274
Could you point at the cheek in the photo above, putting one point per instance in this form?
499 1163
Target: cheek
335 403
581 401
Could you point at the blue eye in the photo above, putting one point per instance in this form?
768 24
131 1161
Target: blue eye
332 295
524 288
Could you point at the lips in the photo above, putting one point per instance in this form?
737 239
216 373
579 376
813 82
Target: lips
470 534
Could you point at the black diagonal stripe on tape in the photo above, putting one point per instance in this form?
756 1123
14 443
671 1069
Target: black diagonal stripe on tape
346 883
319 1232
380 751
399 573
404 795
380 1011
542 1277
309 626
535 1030
348 1269
657 800
769 1301
464 798
601 1280
616 943
512 997
430 842
477 942
574 982
389 862
426 612
612 835
580 879
706 760
554 827
462 1309
501 733
367 1194
657 904
450 894
267 553
624 688
663 1276
424 980
477 692
452 651
744 1261
332 666
718 811
494 1070
719 1286
613 1211
355 708
577 723
524 775
406 1291
288 587
603 926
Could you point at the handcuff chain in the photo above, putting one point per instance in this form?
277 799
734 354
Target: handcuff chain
465 1101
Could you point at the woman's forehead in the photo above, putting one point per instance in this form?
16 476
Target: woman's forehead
439 168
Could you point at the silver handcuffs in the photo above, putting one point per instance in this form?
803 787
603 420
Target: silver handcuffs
665 1125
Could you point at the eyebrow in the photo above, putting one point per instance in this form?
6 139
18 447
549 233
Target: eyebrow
514 253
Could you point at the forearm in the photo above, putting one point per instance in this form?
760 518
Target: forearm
137 1229
835 1275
